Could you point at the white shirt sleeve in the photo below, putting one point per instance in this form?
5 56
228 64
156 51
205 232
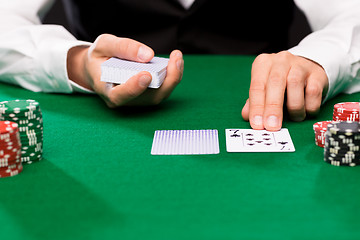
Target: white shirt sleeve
33 55
335 42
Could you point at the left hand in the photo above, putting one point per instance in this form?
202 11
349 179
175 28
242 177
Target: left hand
304 81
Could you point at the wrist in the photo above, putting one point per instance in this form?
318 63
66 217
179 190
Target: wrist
76 65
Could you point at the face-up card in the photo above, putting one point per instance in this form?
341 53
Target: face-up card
250 140
118 71
185 142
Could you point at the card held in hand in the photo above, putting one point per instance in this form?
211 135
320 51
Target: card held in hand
118 71
250 140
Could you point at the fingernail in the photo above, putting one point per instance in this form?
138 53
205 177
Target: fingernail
272 121
144 53
180 64
257 120
144 80
179 54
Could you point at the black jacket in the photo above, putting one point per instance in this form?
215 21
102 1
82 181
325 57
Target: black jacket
209 26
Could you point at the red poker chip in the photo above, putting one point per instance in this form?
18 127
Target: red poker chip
10 146
320 130
9 151
347 106
12 138
7 163
10 157
10 143
8 137
346 114
320 136
355 114
321 125
11 170
319 142
346 111
8 127
344 119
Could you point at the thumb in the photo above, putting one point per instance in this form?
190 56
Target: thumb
107 45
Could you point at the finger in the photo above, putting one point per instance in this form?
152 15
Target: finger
313 92
174 73
259 75
275 90
107 45
245 111
295 93
134 87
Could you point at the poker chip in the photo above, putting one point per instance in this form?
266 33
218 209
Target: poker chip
346 111
320 130
11 170
28 116
10 149
342 143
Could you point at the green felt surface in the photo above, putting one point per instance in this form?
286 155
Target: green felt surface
99 181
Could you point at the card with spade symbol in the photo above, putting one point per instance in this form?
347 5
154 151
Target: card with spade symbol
250 140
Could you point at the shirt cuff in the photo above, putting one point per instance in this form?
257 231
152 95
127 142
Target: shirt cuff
52 60
333 59
80 89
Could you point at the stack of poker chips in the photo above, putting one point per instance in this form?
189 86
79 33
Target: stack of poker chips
346 111
342 144
27 114
320 130
10 149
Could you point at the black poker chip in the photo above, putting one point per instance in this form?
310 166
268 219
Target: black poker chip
342 144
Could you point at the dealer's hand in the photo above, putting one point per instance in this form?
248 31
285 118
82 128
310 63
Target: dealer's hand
84 68
275 75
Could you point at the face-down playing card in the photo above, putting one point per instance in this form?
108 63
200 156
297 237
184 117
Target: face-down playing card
185 142
118 71
250 140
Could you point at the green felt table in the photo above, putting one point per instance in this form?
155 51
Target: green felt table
98 179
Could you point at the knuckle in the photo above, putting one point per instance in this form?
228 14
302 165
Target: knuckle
131 93
295 105
257 86
102 37
313 108
274 106
257 108
313 90
276 79
126 43
98 44
261 58
113 101
295 78
283 55
122 44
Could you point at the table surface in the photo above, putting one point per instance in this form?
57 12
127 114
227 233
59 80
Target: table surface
98 179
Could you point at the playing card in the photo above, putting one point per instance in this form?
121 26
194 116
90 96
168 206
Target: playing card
250 140
185 142
118 71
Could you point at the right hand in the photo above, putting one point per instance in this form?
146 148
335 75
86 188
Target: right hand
84 68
